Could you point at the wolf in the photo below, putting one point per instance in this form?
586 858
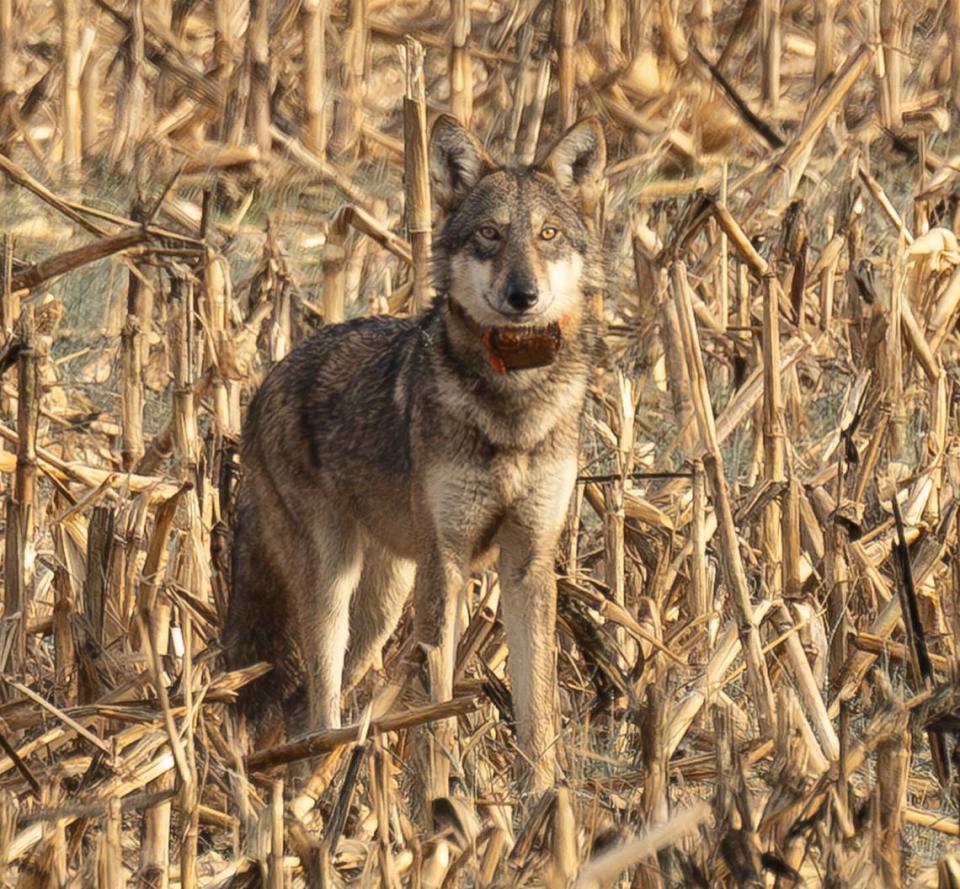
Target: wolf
388 455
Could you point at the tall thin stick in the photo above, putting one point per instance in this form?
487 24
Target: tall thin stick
90 96
275 868
770 48
313 18
155 844
893 366
183 360
827 277
893 772
28 416
6 49
565 26
699 602
110 866
334 276
14 578
954 42
823 32
131 381
21 510
613 24
891 37
216 312
190 792
791 537
614 516
417 178
676 365
774 464
70 86
461 69
96 586
724 308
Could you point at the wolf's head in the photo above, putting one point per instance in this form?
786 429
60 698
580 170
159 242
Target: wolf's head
517 246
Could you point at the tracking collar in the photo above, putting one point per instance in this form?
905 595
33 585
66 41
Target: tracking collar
514 348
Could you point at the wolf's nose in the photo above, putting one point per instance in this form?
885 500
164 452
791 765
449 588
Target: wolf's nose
521 298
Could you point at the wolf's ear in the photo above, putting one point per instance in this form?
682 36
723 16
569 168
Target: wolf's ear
457 161
577 161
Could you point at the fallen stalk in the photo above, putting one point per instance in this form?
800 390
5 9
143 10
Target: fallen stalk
331 739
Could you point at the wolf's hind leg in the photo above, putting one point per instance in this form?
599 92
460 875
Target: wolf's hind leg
384 587
331 571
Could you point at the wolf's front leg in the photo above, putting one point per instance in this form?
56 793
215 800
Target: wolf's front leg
436 594
529 602
528 541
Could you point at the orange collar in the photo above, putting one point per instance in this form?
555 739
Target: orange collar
514 348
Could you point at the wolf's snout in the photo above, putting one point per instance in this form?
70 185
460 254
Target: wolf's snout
520 295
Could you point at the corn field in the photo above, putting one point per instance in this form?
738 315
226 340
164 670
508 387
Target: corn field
759 589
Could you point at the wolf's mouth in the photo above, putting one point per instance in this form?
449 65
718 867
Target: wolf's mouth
520 320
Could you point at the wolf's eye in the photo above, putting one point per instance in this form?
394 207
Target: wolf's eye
488 233
548 233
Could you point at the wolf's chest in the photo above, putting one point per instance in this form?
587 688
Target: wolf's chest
507 477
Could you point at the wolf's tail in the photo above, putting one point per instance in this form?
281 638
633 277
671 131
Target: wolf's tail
256 631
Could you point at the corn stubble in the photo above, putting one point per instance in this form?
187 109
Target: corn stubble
759 582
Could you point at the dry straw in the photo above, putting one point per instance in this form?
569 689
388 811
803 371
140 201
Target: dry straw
759 584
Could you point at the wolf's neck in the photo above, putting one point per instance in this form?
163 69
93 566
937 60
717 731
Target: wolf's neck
514 410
